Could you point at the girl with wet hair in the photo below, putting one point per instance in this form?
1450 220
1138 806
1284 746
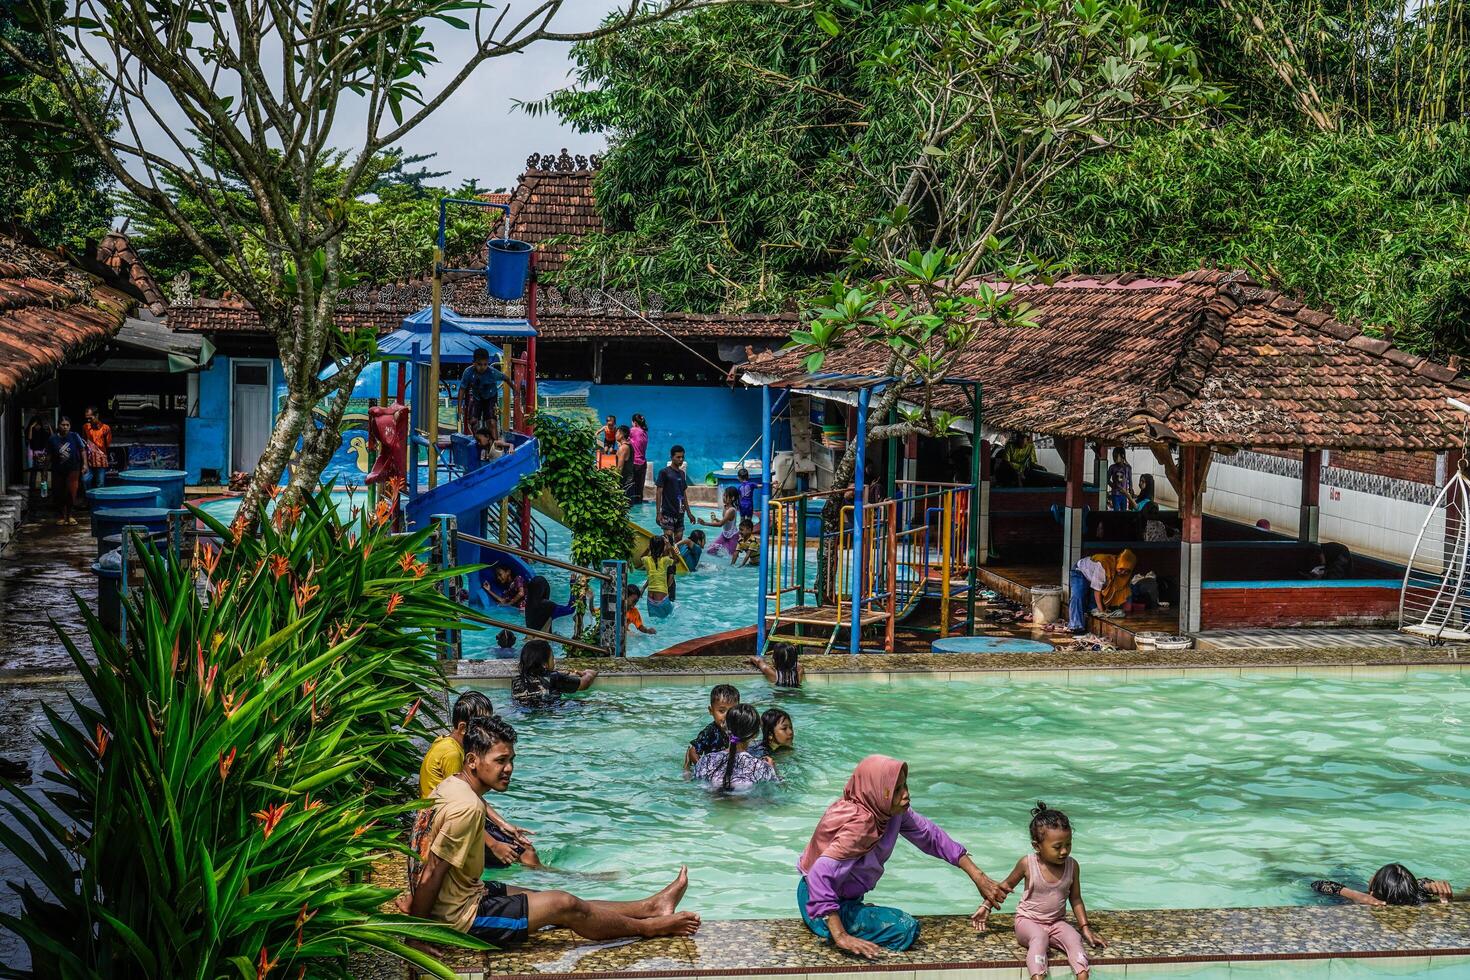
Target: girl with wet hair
784 669
734 768
1053 880
1394 884
777 733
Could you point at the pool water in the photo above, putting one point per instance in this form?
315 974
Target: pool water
1182 792
716 597
1437 967
223 509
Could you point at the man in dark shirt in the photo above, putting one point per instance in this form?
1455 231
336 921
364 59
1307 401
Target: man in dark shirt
479 395
673 494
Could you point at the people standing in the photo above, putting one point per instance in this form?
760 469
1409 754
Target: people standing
610 433
626 470
638 439
66 452
1120 481
98 437
38 441
673 494
479 395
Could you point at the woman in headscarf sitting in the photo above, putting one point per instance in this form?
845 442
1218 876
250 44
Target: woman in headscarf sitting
1103 578
845 859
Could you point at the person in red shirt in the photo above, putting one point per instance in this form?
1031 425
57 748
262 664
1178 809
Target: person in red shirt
97 435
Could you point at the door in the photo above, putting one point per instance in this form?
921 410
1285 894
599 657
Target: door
250 413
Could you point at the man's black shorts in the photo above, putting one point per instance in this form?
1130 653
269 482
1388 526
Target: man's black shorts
502 920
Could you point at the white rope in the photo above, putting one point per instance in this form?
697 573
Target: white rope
718 367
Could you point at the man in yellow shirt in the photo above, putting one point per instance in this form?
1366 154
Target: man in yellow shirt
505 843
444 880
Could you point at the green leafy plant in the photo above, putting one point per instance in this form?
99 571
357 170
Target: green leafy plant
592 500
239 761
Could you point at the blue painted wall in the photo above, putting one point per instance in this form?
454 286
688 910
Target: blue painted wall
713 424
207 436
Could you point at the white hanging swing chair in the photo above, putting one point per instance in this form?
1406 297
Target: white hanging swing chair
1434 602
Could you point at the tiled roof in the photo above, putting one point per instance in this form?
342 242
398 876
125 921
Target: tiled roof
51 312
554 200
118 254
561 315
1207 358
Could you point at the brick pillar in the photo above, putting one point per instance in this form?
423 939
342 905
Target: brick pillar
1311 496
1193 463
1072 456
982 541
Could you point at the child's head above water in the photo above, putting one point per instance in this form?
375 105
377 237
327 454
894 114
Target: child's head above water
722 697
777 732
1394 884
697 537
747 527
784 656
536 658
505 639
742 724
631 594
467 707
1051 834
656 546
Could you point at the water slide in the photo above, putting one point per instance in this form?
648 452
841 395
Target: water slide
545 504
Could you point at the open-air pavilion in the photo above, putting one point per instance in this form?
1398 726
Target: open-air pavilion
1191 368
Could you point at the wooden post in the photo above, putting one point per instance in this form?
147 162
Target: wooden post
1072 454
1100 473
1311 496
1194 464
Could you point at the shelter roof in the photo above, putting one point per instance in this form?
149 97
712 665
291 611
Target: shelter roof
554 200
1209 357
51 312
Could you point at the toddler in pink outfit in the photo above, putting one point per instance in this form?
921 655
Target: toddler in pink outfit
1052 880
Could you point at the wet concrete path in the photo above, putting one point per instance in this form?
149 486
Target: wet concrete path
39 572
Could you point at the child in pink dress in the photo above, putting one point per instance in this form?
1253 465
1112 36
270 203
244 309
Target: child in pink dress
1052 880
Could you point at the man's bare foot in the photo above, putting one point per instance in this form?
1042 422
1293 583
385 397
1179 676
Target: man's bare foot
666 901
678 924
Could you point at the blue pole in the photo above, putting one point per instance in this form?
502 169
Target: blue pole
765 516
413 449
856 583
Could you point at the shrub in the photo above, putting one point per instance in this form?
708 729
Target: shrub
239 761
591 500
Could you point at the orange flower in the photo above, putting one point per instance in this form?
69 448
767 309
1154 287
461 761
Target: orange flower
407 561
382 513
280 565
395 486
59 766
419 568
394 601
304 594
207 559
311 804
413 710
225 762
359 831
103 737
231 703
221 587
367 551
271 816
274 490
237 529
265 965
209 679
302 918
308 688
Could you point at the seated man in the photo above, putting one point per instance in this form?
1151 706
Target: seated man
448 839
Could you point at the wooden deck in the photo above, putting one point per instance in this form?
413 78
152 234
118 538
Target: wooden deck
828 616
1016 582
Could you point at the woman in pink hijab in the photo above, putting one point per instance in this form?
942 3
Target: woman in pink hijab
845 859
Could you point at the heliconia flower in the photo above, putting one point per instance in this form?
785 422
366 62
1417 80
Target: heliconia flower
308 688
59 766
237 529
353 513
209 677
304 593
359 831
419 568
407 561
221 587
394 601
302 918
367 551
280 565
199 661
274 490
231 702
271 816
281 757
266 964
226 760
259 564
382 513
215 642
413 710
173 663
207 559
103 737
310 804
396 486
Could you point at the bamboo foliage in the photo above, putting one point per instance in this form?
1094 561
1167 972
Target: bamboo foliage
237 764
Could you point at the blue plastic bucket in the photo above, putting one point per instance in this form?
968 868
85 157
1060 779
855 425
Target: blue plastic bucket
170 484
508 263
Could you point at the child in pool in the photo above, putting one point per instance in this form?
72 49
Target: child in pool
631 617
750 543
785 670
508 589
713 737
777 734
747 489
1394 884
539 683
505 645
728 540
1052 880
734 767
659 584
691 549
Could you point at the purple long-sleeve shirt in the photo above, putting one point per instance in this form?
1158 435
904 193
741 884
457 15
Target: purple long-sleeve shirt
829 882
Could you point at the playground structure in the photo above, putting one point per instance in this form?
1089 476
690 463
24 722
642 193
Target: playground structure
867 567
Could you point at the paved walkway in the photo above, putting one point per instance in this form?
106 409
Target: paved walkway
41 569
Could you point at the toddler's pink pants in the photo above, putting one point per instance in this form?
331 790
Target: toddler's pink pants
1040 937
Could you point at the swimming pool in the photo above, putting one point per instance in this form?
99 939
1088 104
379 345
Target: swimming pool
1438 967
1184 792
223 509
715 598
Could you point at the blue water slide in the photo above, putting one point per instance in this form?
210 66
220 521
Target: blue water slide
479 485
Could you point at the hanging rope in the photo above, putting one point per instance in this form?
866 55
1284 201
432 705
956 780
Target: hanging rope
718 367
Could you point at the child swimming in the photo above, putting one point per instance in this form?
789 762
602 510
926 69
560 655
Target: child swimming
713 737
508 588
505 645
1052 880
631 616
747 489
691 549
777 734
728 540
734 767
750 543
784 670
539 683
1394 884
661 570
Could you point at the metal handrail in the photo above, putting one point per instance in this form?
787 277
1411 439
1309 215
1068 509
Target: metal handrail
532 556
534 634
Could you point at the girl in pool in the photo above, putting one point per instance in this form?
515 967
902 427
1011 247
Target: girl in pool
539 684
845 859
659 586
735 768
1052 880
777 734
691 549
508 589
785 670
728 540
540 609
1394 884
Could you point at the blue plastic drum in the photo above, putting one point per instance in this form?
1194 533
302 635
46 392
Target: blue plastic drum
121 496
990 644
111 520
508 263
170 484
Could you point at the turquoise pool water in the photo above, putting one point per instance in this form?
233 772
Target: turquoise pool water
225 508
1437 967
1183 792
716 597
